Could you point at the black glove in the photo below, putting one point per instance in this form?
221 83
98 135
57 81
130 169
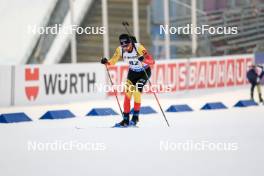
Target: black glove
104 61
141 58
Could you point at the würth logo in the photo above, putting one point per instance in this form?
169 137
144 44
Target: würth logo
31 79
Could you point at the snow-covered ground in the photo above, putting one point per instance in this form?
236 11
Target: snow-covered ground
217 142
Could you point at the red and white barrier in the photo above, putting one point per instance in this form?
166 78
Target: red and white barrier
193 74
64 83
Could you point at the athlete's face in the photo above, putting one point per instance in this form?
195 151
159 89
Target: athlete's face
128 47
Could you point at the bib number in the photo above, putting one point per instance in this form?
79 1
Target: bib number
134 62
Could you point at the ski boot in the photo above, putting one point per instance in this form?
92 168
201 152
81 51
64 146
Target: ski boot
134 121
124 123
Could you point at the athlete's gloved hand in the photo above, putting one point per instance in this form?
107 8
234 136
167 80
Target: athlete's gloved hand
141 58
104 61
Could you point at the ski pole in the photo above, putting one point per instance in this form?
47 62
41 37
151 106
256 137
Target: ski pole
156 97
125 24
115 92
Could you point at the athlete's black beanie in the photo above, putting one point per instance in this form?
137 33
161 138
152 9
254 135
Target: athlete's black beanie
124 39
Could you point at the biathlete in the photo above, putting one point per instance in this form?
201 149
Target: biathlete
139 61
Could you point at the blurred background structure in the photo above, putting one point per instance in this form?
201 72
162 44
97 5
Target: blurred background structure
247 15
20 46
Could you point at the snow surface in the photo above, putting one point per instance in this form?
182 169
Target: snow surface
138 151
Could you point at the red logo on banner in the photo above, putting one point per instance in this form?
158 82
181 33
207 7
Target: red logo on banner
31 75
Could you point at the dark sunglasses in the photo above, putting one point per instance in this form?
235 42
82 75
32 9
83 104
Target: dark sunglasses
124 45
